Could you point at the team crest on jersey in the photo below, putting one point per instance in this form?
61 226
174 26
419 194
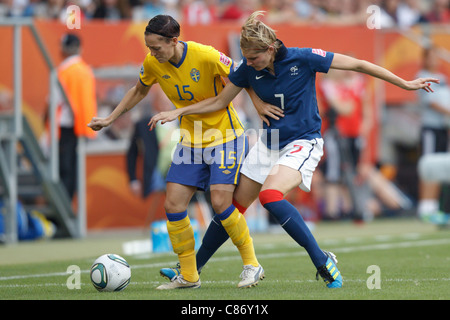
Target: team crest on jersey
195 75
294 70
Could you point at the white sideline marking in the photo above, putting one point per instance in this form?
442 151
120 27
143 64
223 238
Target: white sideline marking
380 246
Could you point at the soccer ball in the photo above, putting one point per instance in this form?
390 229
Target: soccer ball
110 272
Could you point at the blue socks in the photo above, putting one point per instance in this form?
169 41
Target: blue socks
285 213
291 221
213 239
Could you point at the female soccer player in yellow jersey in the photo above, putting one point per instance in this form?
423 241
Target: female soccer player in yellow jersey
211 147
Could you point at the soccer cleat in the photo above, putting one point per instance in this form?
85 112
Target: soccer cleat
329 272
438 218
170 273
251 276
180 283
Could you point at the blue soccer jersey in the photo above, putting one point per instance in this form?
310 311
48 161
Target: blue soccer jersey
292 88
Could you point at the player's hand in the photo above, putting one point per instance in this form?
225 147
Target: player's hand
165 116
268 110
97 124
421 83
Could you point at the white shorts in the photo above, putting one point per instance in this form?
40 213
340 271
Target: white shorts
301 155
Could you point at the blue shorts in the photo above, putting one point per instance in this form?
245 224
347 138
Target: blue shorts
202 167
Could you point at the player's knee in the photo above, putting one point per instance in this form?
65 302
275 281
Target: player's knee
220 201
172 205
220 206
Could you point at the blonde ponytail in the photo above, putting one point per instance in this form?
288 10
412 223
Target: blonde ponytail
256 35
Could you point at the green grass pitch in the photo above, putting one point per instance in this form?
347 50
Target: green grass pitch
389 259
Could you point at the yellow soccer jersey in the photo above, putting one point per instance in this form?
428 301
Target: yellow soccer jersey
196 77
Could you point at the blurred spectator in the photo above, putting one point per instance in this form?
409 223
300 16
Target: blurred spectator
144 143
335 7
435 128
56 9
335 12
279 11
53 9
171 7
6 100
35 8
238 10
112 10
440 12
147 10
199 11
13 8
348 113
23 8
395 13
145 178
87 7
345 12
352 184
401 14
78 81
306 9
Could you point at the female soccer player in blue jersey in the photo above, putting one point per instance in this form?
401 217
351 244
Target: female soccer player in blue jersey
211 148
287 155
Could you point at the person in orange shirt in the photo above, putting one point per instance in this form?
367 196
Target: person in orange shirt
77 79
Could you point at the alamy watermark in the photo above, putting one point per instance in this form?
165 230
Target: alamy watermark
74 279
73 17
374 280
374 19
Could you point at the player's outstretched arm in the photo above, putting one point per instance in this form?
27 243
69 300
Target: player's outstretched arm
344 62
212 104
131 98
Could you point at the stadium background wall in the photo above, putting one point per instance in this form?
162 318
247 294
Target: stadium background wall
121 44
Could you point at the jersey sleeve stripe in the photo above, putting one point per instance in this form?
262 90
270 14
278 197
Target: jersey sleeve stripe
243 153
140 80
237 117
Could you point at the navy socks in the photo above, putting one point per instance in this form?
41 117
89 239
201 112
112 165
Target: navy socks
292 222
